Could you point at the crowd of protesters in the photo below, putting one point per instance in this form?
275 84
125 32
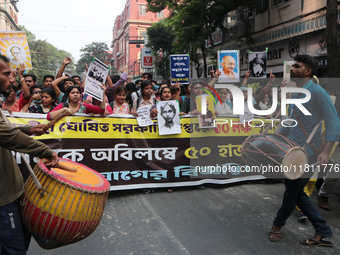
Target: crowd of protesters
121 96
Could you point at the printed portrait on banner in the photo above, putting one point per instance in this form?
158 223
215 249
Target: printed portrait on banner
228 65
168 117
258 64
14 45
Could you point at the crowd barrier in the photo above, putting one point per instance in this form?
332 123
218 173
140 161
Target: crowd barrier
134 157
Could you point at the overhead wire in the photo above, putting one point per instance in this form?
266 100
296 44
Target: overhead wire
54 25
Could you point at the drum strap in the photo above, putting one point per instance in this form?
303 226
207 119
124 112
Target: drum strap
309 137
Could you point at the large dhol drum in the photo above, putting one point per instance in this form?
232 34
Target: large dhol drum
70 206
281 157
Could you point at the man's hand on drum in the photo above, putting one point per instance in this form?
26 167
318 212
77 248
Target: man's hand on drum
37 130
323 157
54 160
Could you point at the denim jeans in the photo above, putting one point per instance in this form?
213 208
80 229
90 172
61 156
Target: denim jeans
294 195
14 237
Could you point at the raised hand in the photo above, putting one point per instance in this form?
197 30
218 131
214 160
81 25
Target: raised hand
153 113
66 61
178 86
271 78
248 74
21 69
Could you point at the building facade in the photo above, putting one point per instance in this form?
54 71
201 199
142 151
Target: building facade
128 35
284 28
8 15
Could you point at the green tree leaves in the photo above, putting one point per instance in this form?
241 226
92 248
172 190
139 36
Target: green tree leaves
193 22
97 50
160 39
46 59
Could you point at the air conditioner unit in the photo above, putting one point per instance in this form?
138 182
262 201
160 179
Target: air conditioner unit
118 54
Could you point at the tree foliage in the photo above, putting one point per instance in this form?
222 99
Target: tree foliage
96 49
160 39
46 59
194 21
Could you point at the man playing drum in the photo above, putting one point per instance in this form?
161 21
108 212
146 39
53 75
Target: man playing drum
14 238
321 107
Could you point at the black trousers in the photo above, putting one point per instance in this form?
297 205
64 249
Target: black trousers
14 237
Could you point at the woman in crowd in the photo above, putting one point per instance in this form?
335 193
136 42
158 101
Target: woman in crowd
189 104
165 95
74 95
145 98
226 107
119 104
48 102
12 103
159 91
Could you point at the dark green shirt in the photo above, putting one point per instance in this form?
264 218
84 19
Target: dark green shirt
11 180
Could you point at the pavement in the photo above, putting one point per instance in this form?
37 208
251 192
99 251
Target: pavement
222 219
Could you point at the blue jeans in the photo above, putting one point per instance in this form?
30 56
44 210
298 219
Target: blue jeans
14 237
294 195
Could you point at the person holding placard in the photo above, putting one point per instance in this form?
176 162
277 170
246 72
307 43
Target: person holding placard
145 99
189 103
73 95
119 105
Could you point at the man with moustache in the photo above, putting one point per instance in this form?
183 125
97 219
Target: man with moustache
227 71
321 107
14 238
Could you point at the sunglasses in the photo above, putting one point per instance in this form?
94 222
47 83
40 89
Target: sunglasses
36 92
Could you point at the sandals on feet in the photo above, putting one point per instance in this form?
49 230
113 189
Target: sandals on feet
275 236
315 242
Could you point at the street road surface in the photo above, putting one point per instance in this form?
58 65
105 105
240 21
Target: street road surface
223 219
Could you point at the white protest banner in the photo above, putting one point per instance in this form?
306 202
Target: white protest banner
96 75
143 118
